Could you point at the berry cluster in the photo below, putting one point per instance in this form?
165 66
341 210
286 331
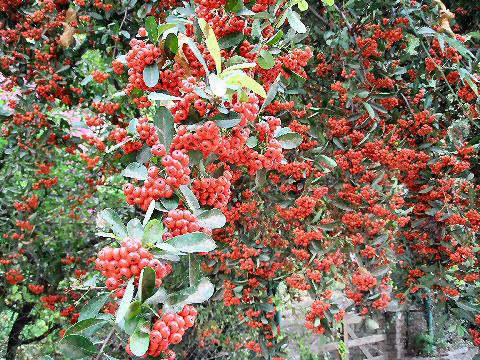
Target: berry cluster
170 329
120 264
213 192
180 222
14 277
99 77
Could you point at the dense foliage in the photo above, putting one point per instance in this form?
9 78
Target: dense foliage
271 148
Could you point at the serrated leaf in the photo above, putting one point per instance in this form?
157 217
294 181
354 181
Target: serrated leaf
164 123
229 120
136 171
295 21
125 303
370 110
197 53
193 243
84 325
246 81
115 223
234 5
212 44
91 309
135 228
146 283
272 92
158 298
290 140
231 40
196 294
190 198
266 60
76 347
252 141
152 28
212 219
151 74
275 38
162 98
217 85
153 232
140 339
327 160
149 213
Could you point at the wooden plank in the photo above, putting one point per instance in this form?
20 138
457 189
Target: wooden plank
351 318
345 338
355 342
367 340
352 334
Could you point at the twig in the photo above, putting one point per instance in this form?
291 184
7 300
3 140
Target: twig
104 344
317 15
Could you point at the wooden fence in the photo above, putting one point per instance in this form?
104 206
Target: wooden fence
351 340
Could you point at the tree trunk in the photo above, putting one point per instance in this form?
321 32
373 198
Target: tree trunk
20 322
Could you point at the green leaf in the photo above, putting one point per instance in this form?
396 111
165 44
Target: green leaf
212 219
426 31
327 160
370 110
170 204
164 123
252 141
197 53
193 243
147 283
275 38
266 60
140 339
234 5
231 40
246 81
239 66
162 98
229 120
158 298
136 171
149 213
84 325
295 22
171 44
134 309
190 198
329 2
302 5
91 309
76 347
217 85
135 228
196 294
153 232
151 74
152 28
272 92
115 223
125 303
164 27
212 44
290 140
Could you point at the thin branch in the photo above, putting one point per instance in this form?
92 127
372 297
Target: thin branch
104 344
317 15
40 337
